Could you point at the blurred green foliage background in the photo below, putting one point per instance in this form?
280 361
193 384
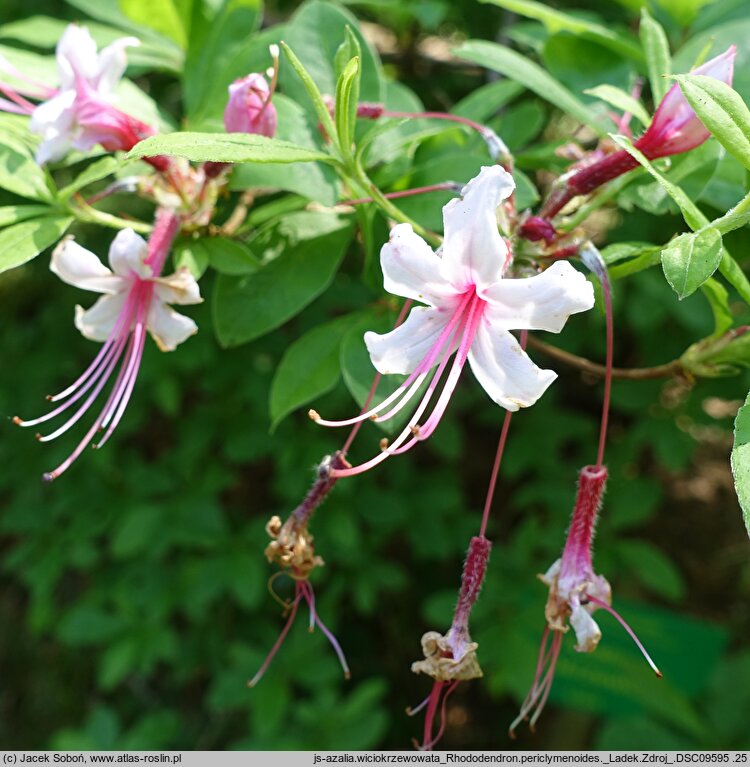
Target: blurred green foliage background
134 604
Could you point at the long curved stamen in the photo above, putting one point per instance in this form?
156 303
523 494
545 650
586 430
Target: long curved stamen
274 49
105 376
416 709
408 430
540 689
43 91
309 595
125 391
623 623
277 644
103 369
428 741
423 368
405 309
470 329
9 106
122 325
17 99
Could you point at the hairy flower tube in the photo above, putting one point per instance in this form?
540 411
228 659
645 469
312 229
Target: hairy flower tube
292 549
575 592
675 128
470 312
80 113
135 300
452 658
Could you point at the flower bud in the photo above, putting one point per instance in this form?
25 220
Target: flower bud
675 127
249 109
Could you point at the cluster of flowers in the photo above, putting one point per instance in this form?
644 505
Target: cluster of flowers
475 289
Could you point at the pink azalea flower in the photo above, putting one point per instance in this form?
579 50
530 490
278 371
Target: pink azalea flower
135 300
471 309
575 593
80 113
675 128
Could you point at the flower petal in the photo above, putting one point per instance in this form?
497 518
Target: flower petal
411 269
76 56
54 121
504 369
83 269
127 255
474 253
112 63
542 302
178 288
167 327
587 632
401 350
98 322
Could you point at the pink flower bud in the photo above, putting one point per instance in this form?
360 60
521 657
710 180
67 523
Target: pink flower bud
675 127
249 109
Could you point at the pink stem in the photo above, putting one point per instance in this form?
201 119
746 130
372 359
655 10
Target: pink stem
606 290
443 187
498 457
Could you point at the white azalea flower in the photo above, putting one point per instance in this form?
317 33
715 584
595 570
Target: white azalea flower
131 274
135 300
80 114
470 310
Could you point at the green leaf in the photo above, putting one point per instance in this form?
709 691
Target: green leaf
19 172
487 100
22 242
619 99
299 257
313 92
517 67
227 147
741 460
316 181
558 21
12 214
94 172
211 51
162 16
652 568
690 211
309 368
315 34
225 255
718 299
722 110
347 92
690 259
658 57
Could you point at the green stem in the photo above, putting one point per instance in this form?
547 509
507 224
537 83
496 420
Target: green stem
85 213
371 190
734 275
